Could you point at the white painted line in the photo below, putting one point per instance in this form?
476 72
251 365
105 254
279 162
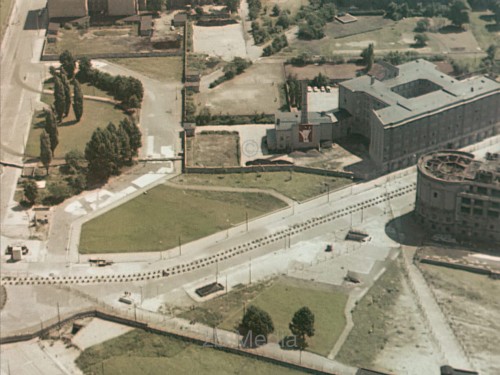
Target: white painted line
150 144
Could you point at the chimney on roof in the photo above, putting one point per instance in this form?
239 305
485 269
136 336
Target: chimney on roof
372 80
304 111
472 89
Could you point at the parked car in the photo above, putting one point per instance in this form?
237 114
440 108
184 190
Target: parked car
329 248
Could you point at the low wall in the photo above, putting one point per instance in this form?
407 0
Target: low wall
177 52
459 266
269 168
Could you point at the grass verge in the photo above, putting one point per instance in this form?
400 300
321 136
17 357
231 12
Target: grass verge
156 220
281 298
139 352
297 186
371 319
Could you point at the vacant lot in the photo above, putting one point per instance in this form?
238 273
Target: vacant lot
281 298
155 221
471 304
165 69
297 186
139 352
257 90
214 150
372 318
73 135
225 42
482 25
106 39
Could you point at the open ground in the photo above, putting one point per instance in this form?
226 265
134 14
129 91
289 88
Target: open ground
164 69
386 35
213 150
139 351
297 186
73 135
5 8
471 304
225 42
257 90
100 40
159 219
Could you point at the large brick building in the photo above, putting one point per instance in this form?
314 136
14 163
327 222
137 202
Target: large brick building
459 196
82 8
406 111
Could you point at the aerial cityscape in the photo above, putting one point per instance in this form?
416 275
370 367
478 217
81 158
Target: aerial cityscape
250 187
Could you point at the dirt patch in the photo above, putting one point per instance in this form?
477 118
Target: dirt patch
471 304
214 150
257 90
225 42
3 296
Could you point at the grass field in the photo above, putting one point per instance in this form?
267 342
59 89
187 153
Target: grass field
281 298
297 186
139 352
213 150
73 135
371 318
483 27
154 221
165 69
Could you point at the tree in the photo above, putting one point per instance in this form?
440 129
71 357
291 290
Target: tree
422 25
276 10
30 191
45 151
59 98
204 116
421 40
232 5
74 159
84 69
496 11
124 146
368 56
302 325
134 135
68 63
77 100
97 155
458 13
51 129
255 326
67 93
283 21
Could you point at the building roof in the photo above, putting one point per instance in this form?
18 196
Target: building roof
146 23
286 120
398 108
457 166
192 84
180 17
53 26
346 18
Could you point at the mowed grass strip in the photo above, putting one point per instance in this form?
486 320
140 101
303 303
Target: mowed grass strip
139 352
281 299
73 135
165 69
156 220
297 186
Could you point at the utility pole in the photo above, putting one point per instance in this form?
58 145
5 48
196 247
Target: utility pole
216 271
180 246
250 271
246 219
328 187
58 316
141 294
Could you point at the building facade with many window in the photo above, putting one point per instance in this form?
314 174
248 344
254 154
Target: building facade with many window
459 196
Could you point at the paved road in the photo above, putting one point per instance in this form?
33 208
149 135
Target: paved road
20 70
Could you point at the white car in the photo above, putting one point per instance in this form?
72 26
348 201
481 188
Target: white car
315 89
322 88
309 89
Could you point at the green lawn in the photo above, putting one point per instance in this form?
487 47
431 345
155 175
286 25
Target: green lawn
87 89
73 135
165 69
371 317
479 24
139 352
281 299
154 221
297 186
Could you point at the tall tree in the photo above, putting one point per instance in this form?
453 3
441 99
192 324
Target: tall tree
30 191
51 129
133 133
59 98
68 63
256 326
67 93
368 56
113 147
124 146
45 151
77 100
302 324
154 5
84 69
96 154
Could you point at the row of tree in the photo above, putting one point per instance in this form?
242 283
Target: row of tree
235 67
257 325
313 18
110 149
277 45
254 8
294 91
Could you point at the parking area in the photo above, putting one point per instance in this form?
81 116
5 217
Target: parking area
323 101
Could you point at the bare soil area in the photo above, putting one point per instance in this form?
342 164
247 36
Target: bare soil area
472 305
214 150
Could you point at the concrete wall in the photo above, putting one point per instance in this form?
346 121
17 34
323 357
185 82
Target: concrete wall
67 8
122 7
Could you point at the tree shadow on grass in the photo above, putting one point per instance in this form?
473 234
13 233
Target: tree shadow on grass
493 28
451 29
289 343
487 17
